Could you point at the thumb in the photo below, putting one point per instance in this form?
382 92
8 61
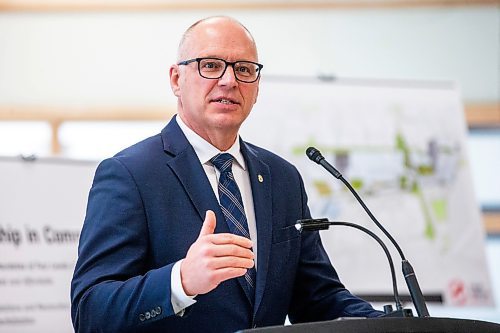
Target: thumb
209 224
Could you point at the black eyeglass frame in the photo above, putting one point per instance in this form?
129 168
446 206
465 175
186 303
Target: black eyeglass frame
227 63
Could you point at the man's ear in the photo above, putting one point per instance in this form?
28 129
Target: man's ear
174 80
256 95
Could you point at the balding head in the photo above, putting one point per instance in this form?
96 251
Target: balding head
208 24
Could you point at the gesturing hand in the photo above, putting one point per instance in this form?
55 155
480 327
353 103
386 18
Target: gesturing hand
214 258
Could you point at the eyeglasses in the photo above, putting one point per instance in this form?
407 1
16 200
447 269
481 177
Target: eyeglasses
214 68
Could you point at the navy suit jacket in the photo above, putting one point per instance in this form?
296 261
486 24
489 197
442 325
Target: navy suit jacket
146 207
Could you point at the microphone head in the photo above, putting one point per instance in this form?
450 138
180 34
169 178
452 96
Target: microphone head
314 154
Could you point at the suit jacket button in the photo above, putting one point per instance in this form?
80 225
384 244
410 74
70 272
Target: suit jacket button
158 310
141 317
153 313
148 315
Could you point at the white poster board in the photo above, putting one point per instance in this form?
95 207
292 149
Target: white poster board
402 146
42 210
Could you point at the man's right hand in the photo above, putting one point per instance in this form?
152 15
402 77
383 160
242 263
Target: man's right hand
214 258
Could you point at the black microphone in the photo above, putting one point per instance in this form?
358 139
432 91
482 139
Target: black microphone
315 156
324 224
408 272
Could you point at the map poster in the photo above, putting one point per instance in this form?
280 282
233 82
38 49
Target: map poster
401 144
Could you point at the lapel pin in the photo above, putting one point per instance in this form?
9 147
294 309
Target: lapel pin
261 179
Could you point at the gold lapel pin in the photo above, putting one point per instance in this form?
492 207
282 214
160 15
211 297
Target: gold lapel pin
261 179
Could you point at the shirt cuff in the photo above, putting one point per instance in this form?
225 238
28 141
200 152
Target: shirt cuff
180 301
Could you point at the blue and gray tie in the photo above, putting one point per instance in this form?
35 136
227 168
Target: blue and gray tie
232 207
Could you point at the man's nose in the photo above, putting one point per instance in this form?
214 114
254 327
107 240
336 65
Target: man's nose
229 78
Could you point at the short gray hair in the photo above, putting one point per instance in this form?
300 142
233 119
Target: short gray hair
188 31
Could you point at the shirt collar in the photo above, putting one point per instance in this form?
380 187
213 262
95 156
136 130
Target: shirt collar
206 151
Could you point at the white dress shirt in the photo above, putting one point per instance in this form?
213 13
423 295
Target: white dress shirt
205 152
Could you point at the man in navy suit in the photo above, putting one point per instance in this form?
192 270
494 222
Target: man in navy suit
157 251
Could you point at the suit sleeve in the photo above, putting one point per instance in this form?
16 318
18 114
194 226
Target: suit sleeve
112 289
318 293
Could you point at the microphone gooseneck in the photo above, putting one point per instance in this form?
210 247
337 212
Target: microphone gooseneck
316 156
323 224
410 277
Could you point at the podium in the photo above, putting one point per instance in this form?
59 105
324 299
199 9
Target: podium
386 325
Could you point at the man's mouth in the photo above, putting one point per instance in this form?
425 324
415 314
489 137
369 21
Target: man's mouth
225 101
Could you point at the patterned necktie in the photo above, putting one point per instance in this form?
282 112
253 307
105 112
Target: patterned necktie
232 207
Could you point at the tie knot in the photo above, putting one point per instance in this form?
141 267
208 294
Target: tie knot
223 162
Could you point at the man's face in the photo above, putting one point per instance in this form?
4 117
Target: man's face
214 105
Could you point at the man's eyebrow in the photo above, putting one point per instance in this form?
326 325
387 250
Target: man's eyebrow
219 57
211 56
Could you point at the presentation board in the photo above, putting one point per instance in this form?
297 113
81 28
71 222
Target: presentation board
43 204
402 145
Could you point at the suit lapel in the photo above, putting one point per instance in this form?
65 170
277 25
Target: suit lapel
186 166
260 180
